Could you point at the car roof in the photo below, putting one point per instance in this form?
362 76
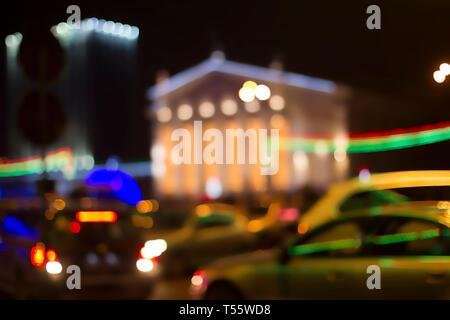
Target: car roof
326 207
216 207
398 179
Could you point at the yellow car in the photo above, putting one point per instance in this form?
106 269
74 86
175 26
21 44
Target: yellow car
213 230
377 190
393 247
408 244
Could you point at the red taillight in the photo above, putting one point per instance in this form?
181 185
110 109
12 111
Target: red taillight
74 227
38 256
198 279
96 216
51 255
199 273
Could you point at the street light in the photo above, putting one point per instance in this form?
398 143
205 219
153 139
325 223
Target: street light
440 75
445 68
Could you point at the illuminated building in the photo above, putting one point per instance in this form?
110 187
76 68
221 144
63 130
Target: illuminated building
230 95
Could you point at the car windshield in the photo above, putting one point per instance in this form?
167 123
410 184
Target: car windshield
214 219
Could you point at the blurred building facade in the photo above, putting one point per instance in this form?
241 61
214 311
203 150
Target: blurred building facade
297 105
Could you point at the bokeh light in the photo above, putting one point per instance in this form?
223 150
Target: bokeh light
340 155
250 84
144 265
277 103
75 227
213 188
262 92
184 112
164 114
229 107
144 206
445 68
53 267
364 175
439 76
252 106
246 94
206 109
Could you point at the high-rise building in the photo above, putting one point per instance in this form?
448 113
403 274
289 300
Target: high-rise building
97 91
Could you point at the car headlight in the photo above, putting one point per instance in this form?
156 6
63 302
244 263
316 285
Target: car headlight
198 279
53 267
144 265
153 248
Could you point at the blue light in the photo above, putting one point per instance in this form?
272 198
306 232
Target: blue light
14 226
122 186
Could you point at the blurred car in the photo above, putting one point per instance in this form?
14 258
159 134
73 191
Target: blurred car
36 248
378 189
212 230
409 242
279 222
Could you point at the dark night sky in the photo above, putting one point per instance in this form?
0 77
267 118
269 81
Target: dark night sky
321 38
